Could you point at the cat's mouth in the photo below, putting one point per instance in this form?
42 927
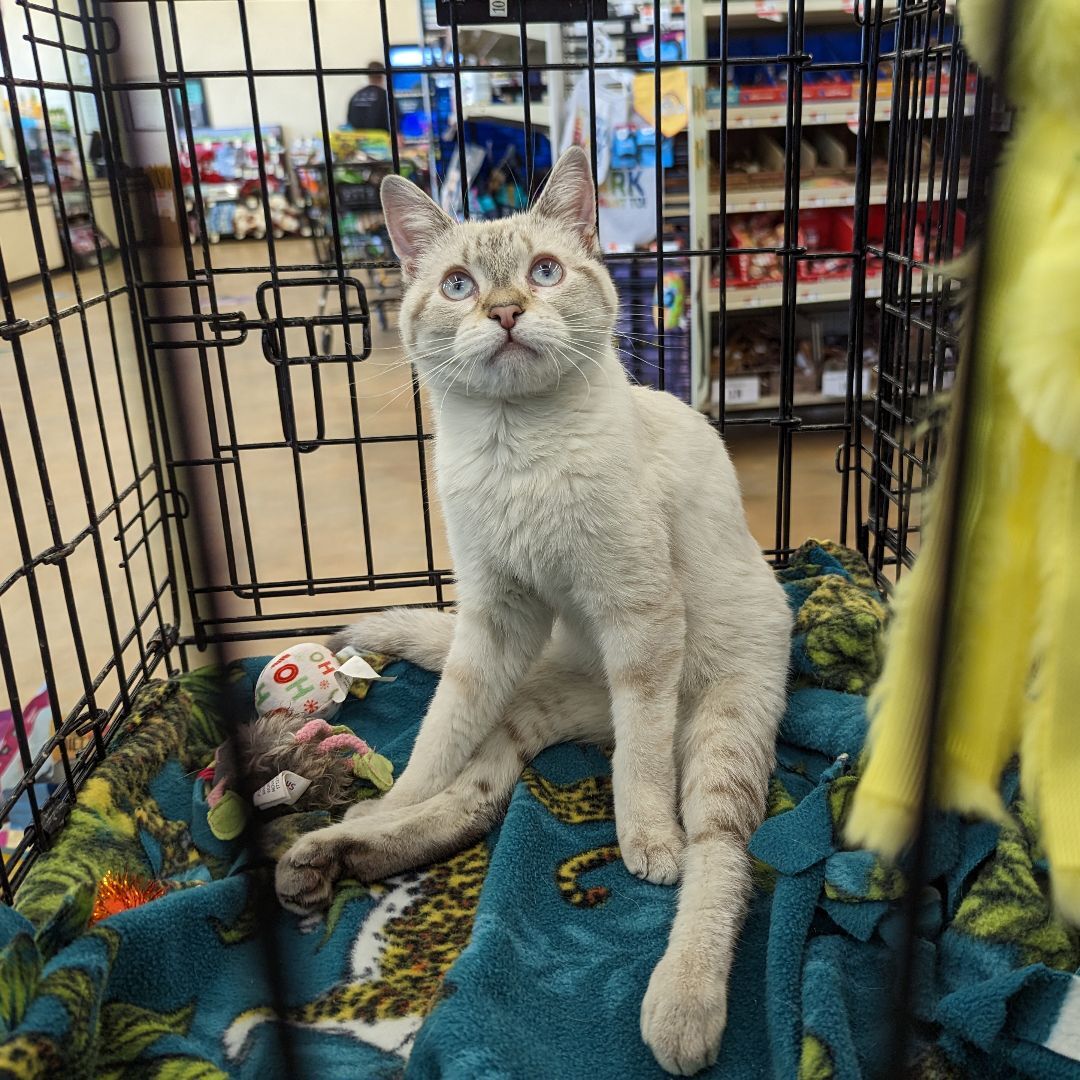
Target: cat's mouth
511 346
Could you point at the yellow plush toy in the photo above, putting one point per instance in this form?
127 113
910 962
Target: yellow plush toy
1012 661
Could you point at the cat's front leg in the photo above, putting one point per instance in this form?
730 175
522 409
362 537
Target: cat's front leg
499 633
497 638
642 641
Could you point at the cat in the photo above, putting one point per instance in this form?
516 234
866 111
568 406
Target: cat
608 589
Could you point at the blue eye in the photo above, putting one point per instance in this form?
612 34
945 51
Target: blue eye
546 271
457 285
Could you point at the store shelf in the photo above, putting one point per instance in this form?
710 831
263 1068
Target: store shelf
815 113
754 12
540 114
770 295
813 195
772 404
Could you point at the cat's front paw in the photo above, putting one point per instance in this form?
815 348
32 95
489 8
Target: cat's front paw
653 852
683 1017
305 875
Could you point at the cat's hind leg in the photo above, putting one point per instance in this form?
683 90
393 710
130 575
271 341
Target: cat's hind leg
552 705
726 755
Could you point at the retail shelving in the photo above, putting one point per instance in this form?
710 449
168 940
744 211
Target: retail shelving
700 206
813 194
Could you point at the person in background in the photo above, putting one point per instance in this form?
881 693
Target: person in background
368 108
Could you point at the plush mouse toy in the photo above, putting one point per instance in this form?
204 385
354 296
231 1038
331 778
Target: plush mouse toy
290 754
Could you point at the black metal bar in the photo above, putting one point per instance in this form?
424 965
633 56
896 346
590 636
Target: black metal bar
590 31
658 156
722 276
530 146
189 266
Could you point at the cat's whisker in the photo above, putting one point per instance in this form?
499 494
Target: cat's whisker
468 383
604 334
453 377
623 352
416 382
406 361
402 344
585 378
592 359
601 328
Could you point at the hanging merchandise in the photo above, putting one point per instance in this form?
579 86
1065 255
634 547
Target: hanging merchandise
673 301
628 208
1010 667
674 99
614 96
450 197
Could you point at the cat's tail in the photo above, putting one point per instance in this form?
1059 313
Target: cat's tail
726 753
422 635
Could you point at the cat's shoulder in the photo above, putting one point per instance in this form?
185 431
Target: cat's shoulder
660 407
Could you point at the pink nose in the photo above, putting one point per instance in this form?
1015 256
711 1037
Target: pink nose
506 314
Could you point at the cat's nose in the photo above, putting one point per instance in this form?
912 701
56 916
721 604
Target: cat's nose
506 314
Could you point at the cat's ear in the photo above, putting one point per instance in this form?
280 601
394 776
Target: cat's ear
414 222
569 197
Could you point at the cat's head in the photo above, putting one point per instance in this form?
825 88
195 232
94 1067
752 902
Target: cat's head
505 308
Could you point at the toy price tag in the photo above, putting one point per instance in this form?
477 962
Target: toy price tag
742 390
284 789
497 9
768 9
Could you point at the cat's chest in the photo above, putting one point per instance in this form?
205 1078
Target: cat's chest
536 517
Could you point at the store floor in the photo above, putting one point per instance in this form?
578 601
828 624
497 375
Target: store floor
384 407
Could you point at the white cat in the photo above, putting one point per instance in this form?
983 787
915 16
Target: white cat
608 588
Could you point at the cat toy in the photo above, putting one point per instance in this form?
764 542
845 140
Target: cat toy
290 754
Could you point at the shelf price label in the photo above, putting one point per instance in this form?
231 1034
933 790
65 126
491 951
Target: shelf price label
834 383
768 9
742 390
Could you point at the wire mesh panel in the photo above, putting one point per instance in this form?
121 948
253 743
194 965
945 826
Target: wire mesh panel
210 436
936 170
88 600
271 339
832 276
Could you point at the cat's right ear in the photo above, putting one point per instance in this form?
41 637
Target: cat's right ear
414 222
569 197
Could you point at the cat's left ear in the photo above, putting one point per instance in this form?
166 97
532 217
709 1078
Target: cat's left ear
569 197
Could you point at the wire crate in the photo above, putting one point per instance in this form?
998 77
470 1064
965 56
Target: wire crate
160 510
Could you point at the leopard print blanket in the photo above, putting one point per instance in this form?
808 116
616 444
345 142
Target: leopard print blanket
526 955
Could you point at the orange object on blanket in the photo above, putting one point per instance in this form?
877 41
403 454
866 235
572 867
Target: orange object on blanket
119 892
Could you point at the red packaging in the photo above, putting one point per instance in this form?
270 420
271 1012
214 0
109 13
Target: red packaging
832 89
927 220
762 95
821 230
755 231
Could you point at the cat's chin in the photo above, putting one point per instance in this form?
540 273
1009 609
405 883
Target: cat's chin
512 350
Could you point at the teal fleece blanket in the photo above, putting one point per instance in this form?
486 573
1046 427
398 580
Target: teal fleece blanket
528 954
